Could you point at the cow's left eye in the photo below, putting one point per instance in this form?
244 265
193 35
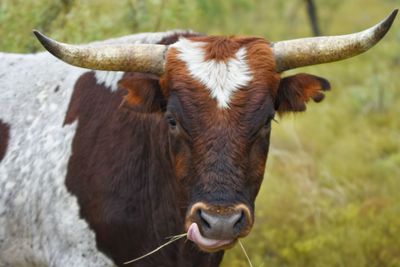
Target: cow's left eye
267 124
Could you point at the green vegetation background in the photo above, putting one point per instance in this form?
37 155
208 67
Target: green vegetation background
331 195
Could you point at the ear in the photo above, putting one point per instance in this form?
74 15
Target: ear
143 92
294 91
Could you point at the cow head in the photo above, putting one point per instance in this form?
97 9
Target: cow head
220 95
223 94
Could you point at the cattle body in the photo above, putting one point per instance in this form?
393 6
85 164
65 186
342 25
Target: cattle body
93 170
100 167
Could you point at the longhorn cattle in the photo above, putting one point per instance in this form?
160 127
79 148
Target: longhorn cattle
168 136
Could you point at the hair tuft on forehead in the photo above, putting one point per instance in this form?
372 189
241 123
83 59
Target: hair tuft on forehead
222 78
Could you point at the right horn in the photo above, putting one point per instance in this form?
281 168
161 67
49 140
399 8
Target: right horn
113 57
316 50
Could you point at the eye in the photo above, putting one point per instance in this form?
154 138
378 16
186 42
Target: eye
267 124
171 121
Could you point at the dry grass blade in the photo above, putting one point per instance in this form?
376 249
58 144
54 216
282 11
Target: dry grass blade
245 253
176 236
172 239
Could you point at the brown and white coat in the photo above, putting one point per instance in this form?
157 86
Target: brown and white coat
98 168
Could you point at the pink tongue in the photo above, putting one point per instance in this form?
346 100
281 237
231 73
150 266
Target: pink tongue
194 235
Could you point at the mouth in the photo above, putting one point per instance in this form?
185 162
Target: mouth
207 244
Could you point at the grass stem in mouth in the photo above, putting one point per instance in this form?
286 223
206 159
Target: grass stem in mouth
245 253
176 236
172 239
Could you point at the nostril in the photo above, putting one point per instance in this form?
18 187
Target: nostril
240 222
204 222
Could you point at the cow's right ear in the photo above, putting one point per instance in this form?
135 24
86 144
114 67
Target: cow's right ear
143 92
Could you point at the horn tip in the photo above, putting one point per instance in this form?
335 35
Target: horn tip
41 37
385 25
389 20
38 34
49 44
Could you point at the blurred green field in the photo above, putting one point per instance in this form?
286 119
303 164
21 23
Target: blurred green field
331 194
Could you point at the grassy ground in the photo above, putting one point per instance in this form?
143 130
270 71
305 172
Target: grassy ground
331 191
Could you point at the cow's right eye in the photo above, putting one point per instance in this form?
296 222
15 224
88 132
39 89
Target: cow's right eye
171 122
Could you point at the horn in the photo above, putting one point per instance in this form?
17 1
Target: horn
316 50
113 57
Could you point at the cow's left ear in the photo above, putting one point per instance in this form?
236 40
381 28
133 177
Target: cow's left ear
143 92
294 91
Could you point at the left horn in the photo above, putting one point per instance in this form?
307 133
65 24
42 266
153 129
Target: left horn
311 51
114 57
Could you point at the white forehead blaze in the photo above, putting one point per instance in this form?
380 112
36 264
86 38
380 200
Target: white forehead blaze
221 78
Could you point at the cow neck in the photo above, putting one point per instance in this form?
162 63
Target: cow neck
120 173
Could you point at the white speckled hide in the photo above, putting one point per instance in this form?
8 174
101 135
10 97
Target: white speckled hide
39 219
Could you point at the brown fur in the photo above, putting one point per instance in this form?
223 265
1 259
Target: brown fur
122 188
144 155
4 138
141 95
219 48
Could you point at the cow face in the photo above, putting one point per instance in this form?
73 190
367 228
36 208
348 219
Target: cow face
215 104
222 95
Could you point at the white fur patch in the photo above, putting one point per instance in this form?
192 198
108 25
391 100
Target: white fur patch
222 79
109 79
40 223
